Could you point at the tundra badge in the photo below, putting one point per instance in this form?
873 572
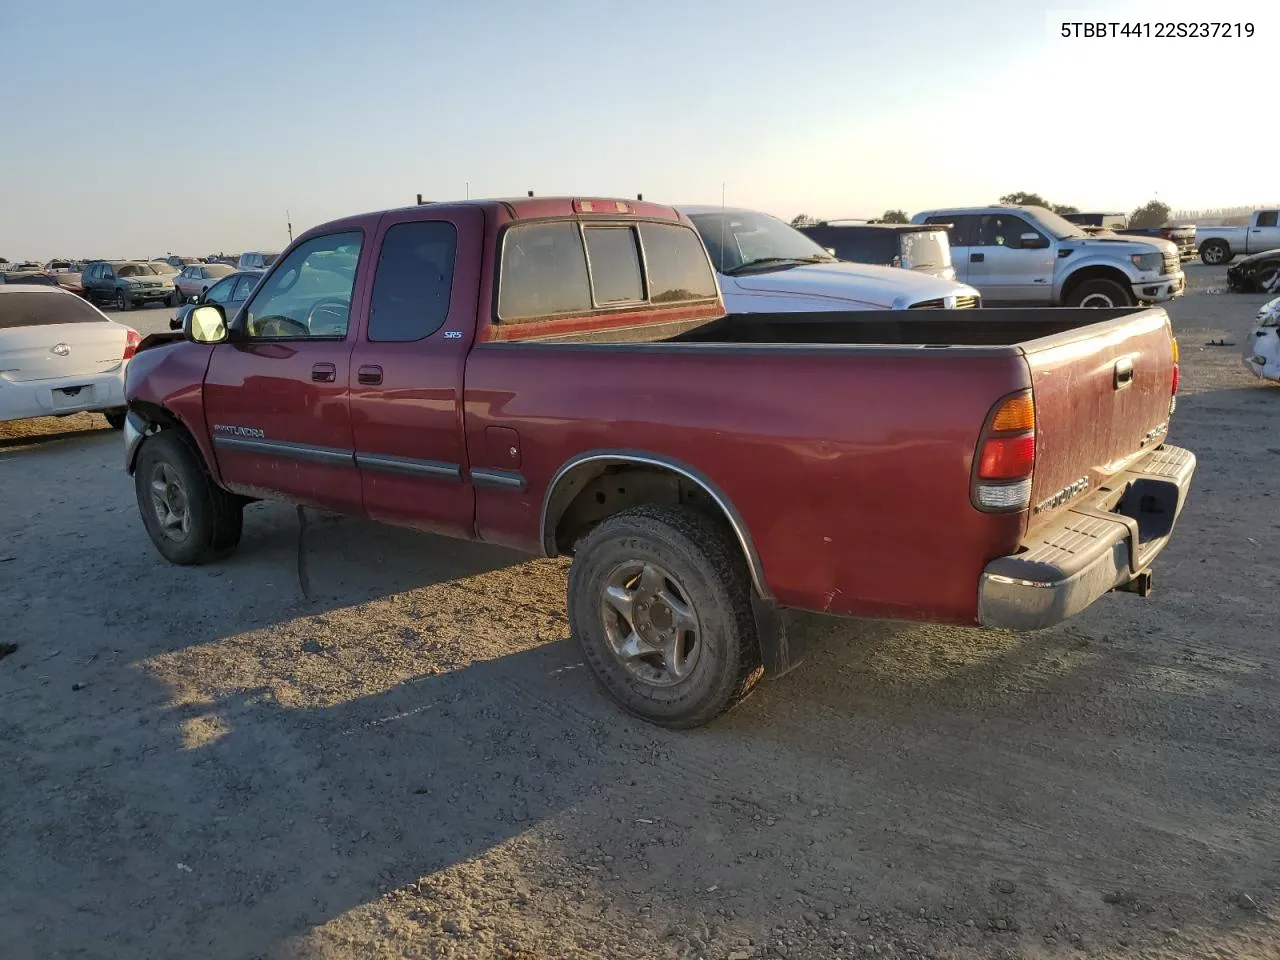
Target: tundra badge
234 431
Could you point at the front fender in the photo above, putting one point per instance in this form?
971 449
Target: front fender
1119 266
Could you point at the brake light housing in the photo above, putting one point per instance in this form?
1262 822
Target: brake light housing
1006 456
1177 378
131 341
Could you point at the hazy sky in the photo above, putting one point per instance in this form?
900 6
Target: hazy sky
137 128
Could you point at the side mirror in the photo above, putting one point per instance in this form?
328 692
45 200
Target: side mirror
1033 241
205 324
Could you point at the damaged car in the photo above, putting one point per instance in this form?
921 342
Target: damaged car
1257 273
1262 348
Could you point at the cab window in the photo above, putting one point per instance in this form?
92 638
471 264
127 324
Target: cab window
309 294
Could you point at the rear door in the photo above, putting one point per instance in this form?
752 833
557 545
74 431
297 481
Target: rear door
407 371
1102 397
963 233
276 398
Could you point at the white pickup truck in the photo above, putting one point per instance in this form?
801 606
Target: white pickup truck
1023 254
765 266
1220 244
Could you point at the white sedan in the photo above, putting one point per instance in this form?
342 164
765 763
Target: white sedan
60 354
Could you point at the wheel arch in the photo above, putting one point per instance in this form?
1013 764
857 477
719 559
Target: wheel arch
147 418
1096 272
569 493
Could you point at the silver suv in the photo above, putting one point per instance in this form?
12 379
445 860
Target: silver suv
1031 255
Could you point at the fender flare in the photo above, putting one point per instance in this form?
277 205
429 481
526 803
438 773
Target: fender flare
558 497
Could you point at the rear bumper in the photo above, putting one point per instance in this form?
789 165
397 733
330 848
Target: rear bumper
1090 550
64 395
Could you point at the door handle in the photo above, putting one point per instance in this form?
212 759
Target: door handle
977 257
324 373
370 375
1124 373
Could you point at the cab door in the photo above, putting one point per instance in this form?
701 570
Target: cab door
1008 267
407 370
276 396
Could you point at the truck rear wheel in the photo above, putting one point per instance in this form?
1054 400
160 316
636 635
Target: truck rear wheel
660 602
1214 252
1099 293
190 519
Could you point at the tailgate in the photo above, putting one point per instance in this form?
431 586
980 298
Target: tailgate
1102 398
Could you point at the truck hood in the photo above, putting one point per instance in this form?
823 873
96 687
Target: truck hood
885 288
1122 245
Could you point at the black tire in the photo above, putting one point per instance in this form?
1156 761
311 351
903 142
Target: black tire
172 300
1099 292
1215 252
709 574
116 417
123 301
214 517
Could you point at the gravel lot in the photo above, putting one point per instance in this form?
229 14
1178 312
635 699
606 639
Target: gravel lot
203 763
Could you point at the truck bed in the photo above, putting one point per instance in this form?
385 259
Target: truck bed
845 440
984 327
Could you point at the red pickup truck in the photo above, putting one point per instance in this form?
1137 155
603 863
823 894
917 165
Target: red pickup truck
559 376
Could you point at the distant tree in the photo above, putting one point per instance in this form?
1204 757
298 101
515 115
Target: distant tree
1022 199
894 216
1062 209
1151 214
803 220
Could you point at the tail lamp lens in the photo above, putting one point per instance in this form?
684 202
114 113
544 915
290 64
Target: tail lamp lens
132 339
1007 456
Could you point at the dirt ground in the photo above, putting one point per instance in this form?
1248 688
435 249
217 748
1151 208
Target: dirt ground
202 763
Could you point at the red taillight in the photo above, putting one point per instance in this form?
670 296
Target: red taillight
1176 377
1007 458
131 341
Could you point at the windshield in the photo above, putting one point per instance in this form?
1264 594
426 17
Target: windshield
135 270
160 267
739 238
1060 227
926 250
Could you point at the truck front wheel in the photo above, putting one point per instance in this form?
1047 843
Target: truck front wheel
1214 252
190 519
1099 293
660 602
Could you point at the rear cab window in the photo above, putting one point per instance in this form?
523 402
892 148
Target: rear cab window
413 281
552 270
37 309
963 230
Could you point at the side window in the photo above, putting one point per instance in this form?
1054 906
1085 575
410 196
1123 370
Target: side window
244 286
676 263
220 292
1004 230
615 265
414 278
962 230
309 294
544 272
1267 218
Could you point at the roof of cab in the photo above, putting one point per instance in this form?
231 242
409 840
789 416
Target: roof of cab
525 208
